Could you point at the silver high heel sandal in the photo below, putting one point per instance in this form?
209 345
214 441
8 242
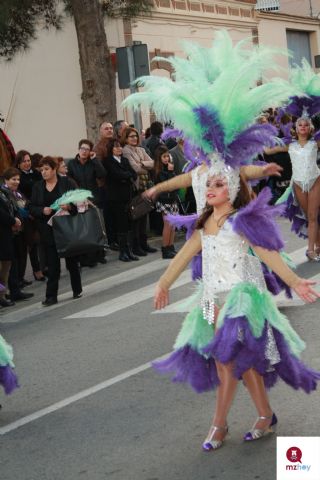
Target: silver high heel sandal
210 443
312 256
257 433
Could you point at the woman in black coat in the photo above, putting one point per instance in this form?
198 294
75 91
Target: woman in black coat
44 194
28 177
119 186
9 222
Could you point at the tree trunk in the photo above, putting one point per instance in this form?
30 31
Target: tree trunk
98 77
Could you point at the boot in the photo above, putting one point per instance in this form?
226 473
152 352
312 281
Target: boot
137 250
123 256
167 253
172 248
130 254
145 246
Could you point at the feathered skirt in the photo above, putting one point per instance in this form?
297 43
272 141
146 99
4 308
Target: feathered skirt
250 332
8 378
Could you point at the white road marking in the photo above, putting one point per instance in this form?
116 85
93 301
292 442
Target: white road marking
127 300
75 398
91 289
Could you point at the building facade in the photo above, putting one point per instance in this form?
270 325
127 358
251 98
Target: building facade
40 93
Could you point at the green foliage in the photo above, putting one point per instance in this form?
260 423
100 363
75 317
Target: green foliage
126 8
20 19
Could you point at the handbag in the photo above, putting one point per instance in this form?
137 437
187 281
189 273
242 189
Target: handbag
140 206
79 234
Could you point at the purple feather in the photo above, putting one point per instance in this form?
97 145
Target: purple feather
189 366
209 121
196 267
183 221
249 352
194 155
298 105
293 212
274 283
171 133
316 136
256 222
250 143
8 379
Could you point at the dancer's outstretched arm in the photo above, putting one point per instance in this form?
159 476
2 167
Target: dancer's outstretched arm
301 286
175 268
253 172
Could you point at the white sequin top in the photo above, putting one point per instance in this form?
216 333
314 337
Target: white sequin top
225 263
199 180
304 164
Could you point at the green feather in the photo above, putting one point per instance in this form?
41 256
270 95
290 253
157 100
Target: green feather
6 354
72 196
195 331
247 301
222 78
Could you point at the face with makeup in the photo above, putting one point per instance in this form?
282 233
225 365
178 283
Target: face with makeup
217 193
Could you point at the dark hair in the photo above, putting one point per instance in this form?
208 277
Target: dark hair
117 125
11 172
158 165
242 199
86 142
126 133
156 128
20 157
50 161
35 159
111 144
147 133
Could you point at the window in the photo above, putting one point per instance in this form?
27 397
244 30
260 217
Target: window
299 45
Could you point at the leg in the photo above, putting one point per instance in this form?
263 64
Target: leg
313 212
53 271
255 385
225 393
302 198
72 264
4 275
166 232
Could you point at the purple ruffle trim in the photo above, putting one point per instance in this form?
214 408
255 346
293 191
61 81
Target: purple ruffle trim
274 283
249 352
294 213
190 367
8 379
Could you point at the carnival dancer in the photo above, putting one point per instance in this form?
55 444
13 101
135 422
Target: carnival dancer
303 202
252 340
302 198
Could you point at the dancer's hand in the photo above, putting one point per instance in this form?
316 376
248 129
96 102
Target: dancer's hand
305 291
161 298
272 169
151 193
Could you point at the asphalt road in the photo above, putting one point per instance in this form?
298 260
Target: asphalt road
90 406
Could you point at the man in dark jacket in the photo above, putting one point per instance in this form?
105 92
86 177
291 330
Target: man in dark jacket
153 142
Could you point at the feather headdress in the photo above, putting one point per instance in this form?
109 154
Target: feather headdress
304 79
214 98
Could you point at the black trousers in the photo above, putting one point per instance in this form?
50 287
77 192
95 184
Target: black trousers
118 212
54 269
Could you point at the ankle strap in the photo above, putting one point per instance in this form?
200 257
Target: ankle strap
216 427
266 418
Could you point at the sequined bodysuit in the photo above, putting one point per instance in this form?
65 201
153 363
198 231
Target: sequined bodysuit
304 164
225 263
